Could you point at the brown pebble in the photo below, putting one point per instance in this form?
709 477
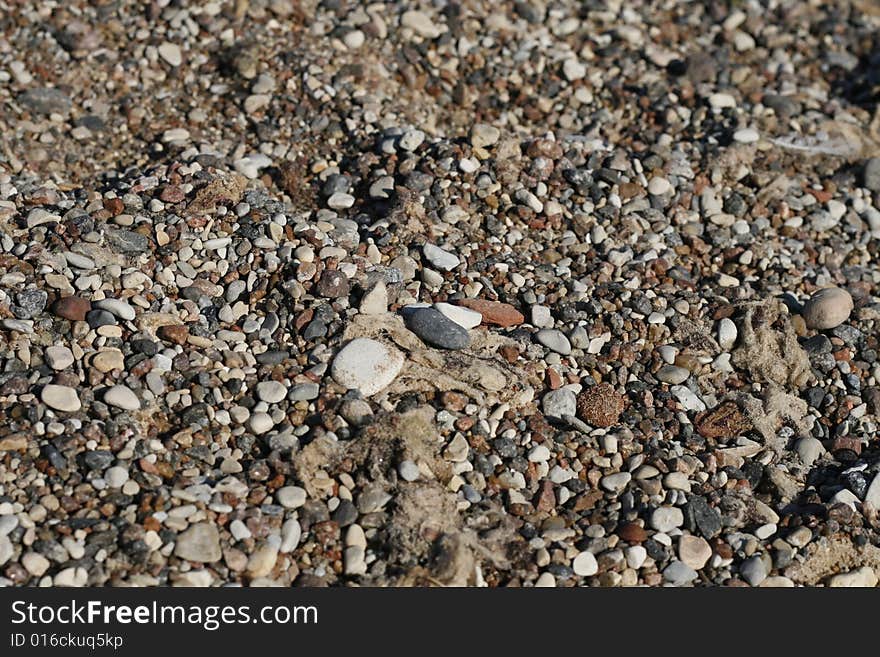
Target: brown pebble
600 405
174 334
72 308
494 312
632 533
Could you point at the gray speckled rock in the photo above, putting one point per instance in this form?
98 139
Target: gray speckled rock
437 330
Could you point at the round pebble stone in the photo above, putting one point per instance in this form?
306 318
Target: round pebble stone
827 308
585 564
271 392
60 398
554 340
659 186
693 551
436 330
291 497
754 570
260 423
809 449
367 365
122 397
666 518
673 374
116 476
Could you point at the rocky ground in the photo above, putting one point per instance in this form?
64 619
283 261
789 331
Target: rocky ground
442 293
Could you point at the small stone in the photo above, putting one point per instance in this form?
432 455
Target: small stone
116 307
200 542
809 449
366 365
672 374
260 423
693 551
666 518
173 333
494 312
262 561
600 405
60 398
727 334
436 330
271 392
573 70
171 53
36 564
108 360
440 258
746 136
58 357
754 570
678 573
291 533
554 340
464 317
827 308
72 308
375 300
333 284
616 483
291 497
116 476
122 397
871 174
585 564
659 186
559 403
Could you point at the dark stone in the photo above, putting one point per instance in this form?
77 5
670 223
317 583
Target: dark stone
345 514
99 459
333 284
699 516
98 317
127 241
272 357
146 347
435 329
30 303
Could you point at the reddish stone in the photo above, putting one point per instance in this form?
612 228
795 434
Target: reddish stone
724 421
494 312
545 499
554 381
72 308
174 334
632 533
114 206
172 194
600 405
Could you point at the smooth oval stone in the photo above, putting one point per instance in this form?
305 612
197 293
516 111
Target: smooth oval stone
435 329
61 398
122 397
366 365
827 308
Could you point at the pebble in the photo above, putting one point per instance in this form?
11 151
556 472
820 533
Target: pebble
585 564
494 312
271 392
693 551
678 573
408 471
375 300
115 307
827 308
436 330
673 374
554 340
200 543
291 497
809 449
440 258
864 577
60 398
464 317
666 518
122 397
727 333
754 570
59 358
366 365
171 53
559 403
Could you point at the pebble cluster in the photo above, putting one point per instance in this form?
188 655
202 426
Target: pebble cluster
439 294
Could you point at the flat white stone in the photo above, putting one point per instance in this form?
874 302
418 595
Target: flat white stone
366 365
